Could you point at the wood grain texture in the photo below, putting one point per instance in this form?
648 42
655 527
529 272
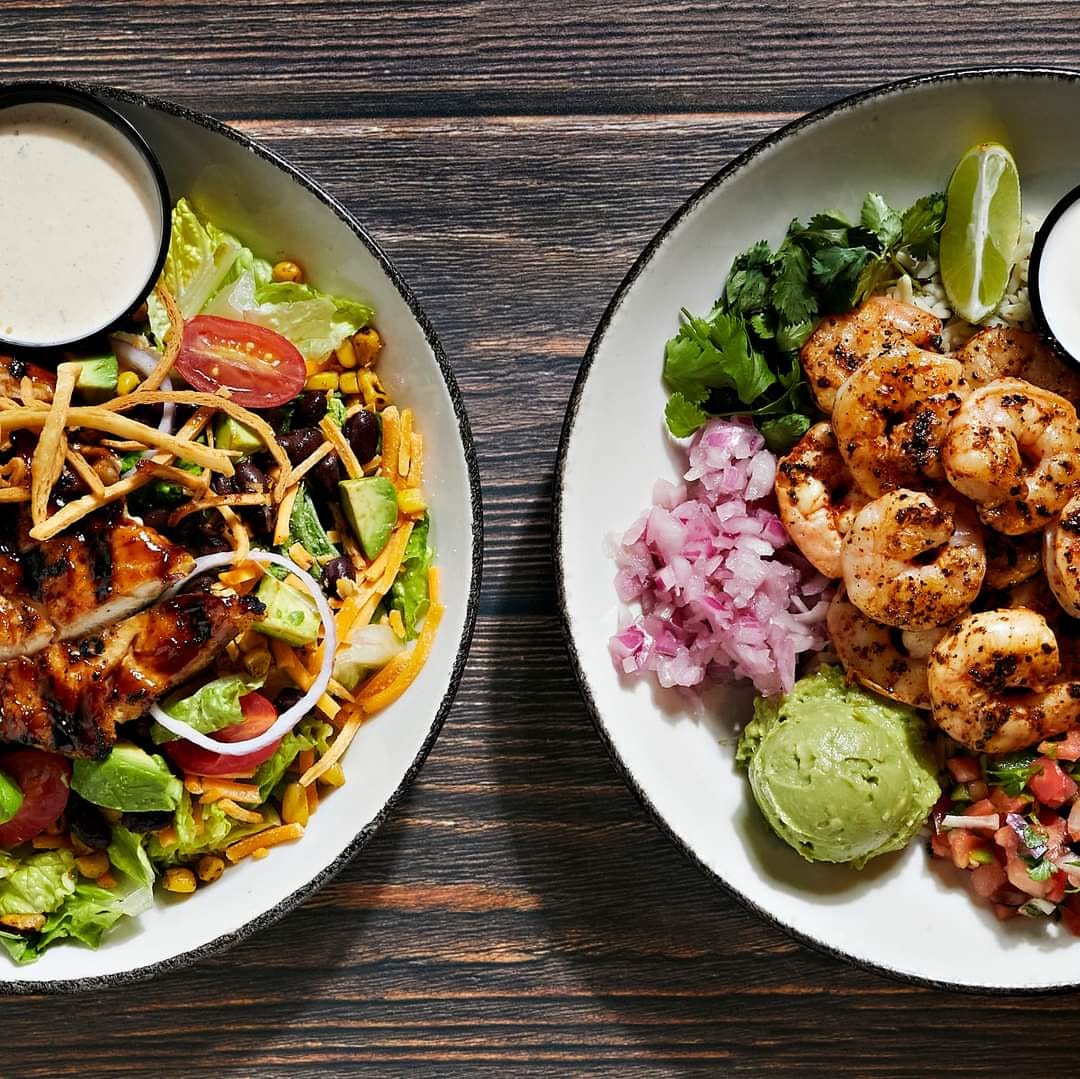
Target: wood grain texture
519 914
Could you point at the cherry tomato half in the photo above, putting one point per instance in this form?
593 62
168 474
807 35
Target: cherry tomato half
43 779
259 715
260 368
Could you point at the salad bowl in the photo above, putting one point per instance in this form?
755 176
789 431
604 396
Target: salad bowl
903 914
249 191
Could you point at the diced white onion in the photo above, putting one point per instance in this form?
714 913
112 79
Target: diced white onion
991 820
291 716
1042 906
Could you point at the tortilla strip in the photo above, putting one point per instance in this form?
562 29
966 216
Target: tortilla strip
48 460
341 444
172 347
84 470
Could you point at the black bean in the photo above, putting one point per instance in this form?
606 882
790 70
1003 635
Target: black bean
325 475
88 823
310 407
223 485
301 443
145 822
362 429
334 571
156 518
286 699
250 478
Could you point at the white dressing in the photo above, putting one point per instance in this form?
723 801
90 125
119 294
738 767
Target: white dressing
80 223
1059 282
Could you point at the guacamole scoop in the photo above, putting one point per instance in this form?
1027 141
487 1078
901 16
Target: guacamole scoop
840 774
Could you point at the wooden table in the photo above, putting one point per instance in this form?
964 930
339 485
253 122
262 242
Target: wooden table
519 913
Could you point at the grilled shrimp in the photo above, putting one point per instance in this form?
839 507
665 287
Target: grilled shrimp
841 343
880 657
1061 556
914 561
817 498
994 682
1012 448
1008 352
1011 559
891 415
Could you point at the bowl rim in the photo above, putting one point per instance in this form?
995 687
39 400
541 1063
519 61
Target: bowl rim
18 92
809 120
360 840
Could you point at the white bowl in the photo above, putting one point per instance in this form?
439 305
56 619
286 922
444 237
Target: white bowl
278 211
900 914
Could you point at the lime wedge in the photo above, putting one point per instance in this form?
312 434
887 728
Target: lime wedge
982 227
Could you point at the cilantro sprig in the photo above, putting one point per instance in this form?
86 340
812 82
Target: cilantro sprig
742 359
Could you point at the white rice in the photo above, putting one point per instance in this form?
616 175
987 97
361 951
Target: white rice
922 286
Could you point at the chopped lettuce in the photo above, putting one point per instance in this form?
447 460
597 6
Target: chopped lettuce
38 884
197 264
213 832
306 529
409 593
312 734
315 323
212 708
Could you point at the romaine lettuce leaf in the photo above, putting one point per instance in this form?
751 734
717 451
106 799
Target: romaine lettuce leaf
315 323
197 264
312 734
409 593
38 884
212 708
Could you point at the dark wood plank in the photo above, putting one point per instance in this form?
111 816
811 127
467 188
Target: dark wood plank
519 914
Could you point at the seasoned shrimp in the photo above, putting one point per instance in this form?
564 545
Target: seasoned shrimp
914 561
880 657
995 683
1012 448
817 498
1061 556
1011 559
891 415
1008 352
841 343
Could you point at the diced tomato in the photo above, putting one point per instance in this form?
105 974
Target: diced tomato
1058 883
978 790
965 769
1074 820
259 368
1007 839
939 845
1019 877
962 841
987 879
259 715
43 779
1051 785
982 808
1006 803
1068 749
1003 912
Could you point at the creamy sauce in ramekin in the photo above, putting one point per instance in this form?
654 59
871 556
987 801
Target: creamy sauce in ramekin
1058 283
80 223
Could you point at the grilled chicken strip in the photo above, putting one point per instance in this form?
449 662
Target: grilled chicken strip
71 697
74 584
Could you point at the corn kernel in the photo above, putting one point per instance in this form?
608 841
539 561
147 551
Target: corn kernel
179 880
260 854
346 354
50 842
366 345
257 664
287 270
58 826
126 383
210 868
79 847
106 880
411 500
349 383
334 776
294 805
324 380
93 865
375 397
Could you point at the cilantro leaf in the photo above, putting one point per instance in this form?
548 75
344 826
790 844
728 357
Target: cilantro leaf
792 336
874 276
827 228
783 432
1012 771
922 224
791 293
747 285
683 417
832 263
715 353
879 218
1043 870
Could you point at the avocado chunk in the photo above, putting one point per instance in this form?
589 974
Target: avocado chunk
370 505
128 779
11 798
230 434
97 377
290 615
